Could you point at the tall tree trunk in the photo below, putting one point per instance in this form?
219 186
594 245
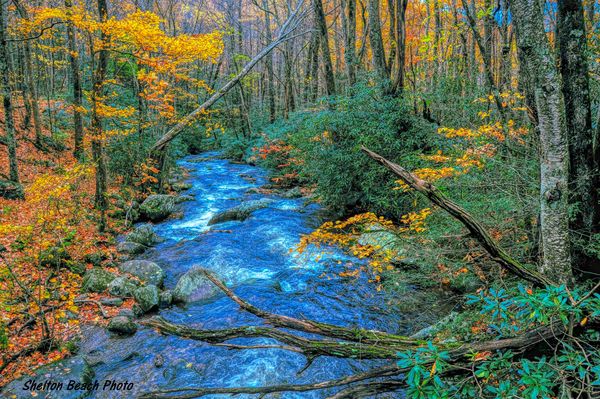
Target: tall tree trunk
349 19
398 85
583 172
554 157
376 41
325 50
31 83
78 151
9 122
96 123
269 64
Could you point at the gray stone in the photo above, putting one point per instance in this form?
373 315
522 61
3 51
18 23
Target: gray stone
148 272
292 193
194 286
127 313
240 212
97 280
165 299
143 234
122 325
111 301
158 207
122 287
147 297
183 198
130 248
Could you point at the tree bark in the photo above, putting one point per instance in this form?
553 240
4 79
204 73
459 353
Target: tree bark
376 42
325 49
583 172
96 123
6 72
78 151
554 157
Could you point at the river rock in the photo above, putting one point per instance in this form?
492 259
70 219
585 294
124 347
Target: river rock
148 272
194 286
147 297
111 301
158 207
292 193
122 325
97 280
122 287
130 248
184 198
144 235
377 234
240 212
165 299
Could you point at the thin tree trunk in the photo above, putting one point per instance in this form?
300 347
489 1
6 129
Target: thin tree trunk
554 157
96 124
78 151
6 72
325 50
269 64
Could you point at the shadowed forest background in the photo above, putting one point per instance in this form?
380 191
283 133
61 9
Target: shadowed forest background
452 145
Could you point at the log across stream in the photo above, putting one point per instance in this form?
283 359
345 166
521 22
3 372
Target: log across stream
253 258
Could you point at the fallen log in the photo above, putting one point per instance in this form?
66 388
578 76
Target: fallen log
475 228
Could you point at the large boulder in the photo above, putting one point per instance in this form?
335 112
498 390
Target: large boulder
158 207
143 234
148 272
122 325
194 286
147 297
240 212
97 280
122 287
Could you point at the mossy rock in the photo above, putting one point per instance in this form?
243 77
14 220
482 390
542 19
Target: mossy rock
54 256
122 287
97 280
143 234
148 272
157 207
11 190
147 297
122 325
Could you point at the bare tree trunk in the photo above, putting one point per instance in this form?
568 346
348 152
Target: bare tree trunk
6 71
96 125
554 157
269 64
376 42
583 172
31 84
349 23
325 50
78 151
398 84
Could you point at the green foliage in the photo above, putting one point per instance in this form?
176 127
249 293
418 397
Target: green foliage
327 145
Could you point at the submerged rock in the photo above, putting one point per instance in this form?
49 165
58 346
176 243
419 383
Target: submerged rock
147 297
97 280
158 207
122 325
194 286
148 272
240 212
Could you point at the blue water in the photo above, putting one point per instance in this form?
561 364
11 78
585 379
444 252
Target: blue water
253 257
